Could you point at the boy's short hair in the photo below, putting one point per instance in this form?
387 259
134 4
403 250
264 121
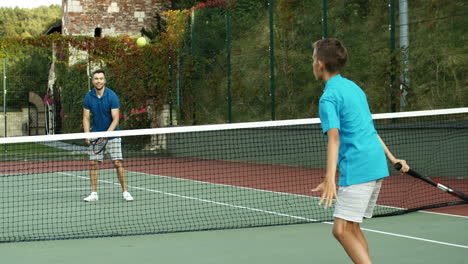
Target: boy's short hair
99 71
332 53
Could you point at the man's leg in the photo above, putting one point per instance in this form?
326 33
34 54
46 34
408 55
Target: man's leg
115 150
120 173
93 173
353 241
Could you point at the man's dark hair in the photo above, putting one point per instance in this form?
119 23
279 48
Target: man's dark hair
99 71
332 53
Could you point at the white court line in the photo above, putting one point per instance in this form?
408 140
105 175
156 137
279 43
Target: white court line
221 184
443 214
261 190
242 187
415 238
274 213
67 189
269 191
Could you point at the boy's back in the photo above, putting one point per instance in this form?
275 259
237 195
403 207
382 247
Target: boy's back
344 106
353 143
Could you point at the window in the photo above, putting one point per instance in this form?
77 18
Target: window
97 32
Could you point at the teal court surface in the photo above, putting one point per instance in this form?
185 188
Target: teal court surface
420 237
235 193
413 238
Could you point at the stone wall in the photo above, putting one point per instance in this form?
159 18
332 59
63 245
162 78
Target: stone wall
17 123
111 17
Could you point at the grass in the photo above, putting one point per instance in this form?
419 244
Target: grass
36 152
25 148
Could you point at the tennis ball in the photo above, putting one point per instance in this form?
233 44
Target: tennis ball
141 41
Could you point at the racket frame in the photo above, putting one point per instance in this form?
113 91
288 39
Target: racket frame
97 142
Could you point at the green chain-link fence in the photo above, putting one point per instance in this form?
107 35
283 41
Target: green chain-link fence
252 60
411 64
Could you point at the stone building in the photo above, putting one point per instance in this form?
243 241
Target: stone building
109 17
101 18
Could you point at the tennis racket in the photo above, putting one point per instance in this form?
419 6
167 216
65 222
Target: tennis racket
99 145
435 183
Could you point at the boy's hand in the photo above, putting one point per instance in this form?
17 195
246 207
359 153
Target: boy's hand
404 165
328 189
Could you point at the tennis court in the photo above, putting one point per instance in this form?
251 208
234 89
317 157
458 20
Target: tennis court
412 238
246 186
65 189
305 243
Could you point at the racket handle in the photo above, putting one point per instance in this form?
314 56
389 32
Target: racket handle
411 172
398 166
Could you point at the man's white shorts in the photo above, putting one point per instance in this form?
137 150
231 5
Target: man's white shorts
357 201
113 148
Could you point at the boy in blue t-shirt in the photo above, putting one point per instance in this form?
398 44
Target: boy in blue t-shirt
353 144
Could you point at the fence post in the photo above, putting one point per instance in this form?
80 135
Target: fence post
192 33
392 56
228 63
88 74
193 53
5 146
178 99
324 19
4 99
404 45
272 62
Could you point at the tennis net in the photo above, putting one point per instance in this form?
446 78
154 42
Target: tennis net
213 176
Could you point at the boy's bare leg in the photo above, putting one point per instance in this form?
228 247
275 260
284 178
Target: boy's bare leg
361 236
353 241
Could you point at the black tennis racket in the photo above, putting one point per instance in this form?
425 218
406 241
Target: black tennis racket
99 145
437 184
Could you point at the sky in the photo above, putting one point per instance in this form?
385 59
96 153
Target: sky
28 3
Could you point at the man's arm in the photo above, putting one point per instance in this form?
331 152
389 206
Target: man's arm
86 126
115 119
393 160
328 186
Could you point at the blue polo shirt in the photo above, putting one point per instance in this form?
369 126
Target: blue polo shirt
343 105
101 108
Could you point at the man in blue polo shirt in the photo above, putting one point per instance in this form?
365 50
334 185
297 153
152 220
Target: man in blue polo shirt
104 105
354 144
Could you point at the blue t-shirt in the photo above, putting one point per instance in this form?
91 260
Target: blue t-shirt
343 105
101 108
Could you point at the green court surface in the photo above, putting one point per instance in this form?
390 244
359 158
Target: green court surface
413 238
419 237
166 204
200 185
50 206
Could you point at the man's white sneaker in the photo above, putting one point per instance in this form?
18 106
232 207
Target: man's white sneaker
92 197
127 196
